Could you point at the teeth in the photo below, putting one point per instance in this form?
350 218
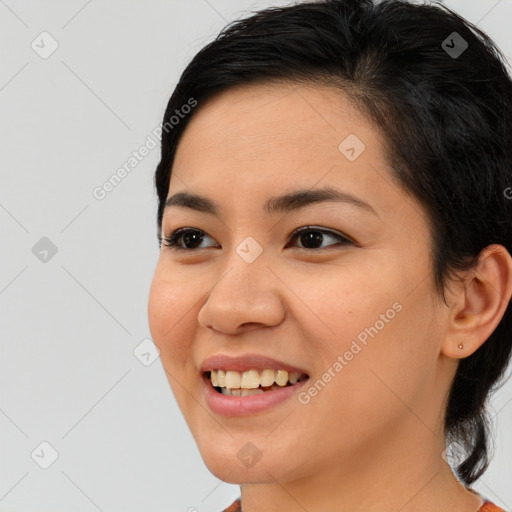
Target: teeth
267 378
293 377
231 392
281 377
250 379
249 392
250 382
221 378
232 379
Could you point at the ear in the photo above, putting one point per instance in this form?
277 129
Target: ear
479 303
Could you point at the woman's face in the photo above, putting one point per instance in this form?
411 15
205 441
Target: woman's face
349 304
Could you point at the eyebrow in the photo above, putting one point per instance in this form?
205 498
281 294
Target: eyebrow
279 204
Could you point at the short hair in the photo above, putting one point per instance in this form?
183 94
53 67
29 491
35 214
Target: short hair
445 114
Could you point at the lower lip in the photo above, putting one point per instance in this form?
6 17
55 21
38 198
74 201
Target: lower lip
246 405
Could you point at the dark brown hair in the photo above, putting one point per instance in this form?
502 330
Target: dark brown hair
438 88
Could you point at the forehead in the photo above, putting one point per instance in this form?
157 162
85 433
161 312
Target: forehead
271 114
253 142
275 127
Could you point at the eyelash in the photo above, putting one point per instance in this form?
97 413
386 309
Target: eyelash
171 241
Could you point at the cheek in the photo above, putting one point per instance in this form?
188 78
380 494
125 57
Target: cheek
388 363
364 325
338 307
171 314
172 325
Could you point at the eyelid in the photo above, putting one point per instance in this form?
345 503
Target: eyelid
323 230
171 241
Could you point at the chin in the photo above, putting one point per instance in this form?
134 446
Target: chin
239 462
234 472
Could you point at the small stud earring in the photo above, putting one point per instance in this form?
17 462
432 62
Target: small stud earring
460 345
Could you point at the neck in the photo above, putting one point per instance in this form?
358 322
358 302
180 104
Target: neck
406 473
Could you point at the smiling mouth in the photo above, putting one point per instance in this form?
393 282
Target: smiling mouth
252 382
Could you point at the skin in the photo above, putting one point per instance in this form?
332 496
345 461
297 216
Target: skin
372 439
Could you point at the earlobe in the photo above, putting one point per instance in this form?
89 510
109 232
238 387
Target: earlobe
481 303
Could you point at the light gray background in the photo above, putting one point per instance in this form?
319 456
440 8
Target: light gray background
70 325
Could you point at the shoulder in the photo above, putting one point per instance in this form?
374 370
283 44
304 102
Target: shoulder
236 507
488 506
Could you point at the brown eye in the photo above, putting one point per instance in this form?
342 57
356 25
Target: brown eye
312 237
185 239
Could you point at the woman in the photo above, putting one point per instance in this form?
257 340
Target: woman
332 296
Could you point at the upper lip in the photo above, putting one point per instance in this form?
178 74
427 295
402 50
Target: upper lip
246 362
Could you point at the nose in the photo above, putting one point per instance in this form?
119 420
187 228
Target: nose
247 296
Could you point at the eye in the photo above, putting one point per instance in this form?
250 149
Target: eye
313 235
189 239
